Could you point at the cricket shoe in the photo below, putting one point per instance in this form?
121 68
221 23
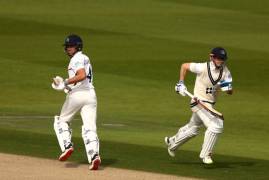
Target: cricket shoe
207 160
96 161
170 152
67 153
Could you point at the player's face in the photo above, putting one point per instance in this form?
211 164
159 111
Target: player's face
70 50
217 61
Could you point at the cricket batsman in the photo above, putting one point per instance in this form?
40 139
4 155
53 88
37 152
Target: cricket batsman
211 77
80 97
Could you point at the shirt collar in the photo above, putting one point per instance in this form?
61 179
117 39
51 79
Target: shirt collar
77 53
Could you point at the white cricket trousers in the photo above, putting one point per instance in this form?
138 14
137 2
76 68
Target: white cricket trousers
85 102
199 118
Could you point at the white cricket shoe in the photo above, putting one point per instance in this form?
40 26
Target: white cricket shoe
67 153
207 160
96 161
170 152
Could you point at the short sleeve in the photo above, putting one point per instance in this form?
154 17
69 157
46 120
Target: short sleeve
196 67
78 64
228 77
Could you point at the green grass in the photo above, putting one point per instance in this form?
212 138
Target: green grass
136 48
129 155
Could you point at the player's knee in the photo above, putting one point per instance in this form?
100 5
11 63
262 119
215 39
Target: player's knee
56 119
190 129
195 130
88 134
60 125
89 127
56 123
60 119
216 127
195 127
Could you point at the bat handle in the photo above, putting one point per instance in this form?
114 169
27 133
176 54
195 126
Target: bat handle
189 94
68 88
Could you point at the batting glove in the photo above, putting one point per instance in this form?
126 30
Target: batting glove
58 83
181 88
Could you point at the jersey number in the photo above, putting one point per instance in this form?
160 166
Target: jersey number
89 76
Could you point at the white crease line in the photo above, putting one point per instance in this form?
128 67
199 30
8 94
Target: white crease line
115 125
52 117
25 117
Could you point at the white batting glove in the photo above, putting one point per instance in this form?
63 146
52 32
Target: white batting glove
181 88
58 84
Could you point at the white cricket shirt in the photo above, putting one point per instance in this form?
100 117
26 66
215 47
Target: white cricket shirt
207 78
79 61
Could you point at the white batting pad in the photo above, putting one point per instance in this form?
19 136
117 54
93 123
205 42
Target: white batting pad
210 140
63 133
183 135
91 142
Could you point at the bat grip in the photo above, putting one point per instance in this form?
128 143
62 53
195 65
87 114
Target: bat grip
68 88
189 94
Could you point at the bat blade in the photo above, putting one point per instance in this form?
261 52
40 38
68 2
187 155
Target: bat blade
209 109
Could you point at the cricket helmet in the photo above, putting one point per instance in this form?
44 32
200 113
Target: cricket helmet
219 52
73 41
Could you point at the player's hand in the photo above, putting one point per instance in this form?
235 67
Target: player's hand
181 88
58 83
225 85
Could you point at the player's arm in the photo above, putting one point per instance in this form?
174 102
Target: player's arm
185 67
183 71
180 87
196 68
80 76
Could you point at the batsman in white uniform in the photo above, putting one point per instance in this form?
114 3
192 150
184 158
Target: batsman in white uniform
211 77
80 97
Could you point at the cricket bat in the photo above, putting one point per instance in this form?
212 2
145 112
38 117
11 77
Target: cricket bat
209 109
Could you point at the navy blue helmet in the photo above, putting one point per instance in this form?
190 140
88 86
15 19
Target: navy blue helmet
73 41
220 53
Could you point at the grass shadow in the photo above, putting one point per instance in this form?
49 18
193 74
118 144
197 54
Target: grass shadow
137 157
